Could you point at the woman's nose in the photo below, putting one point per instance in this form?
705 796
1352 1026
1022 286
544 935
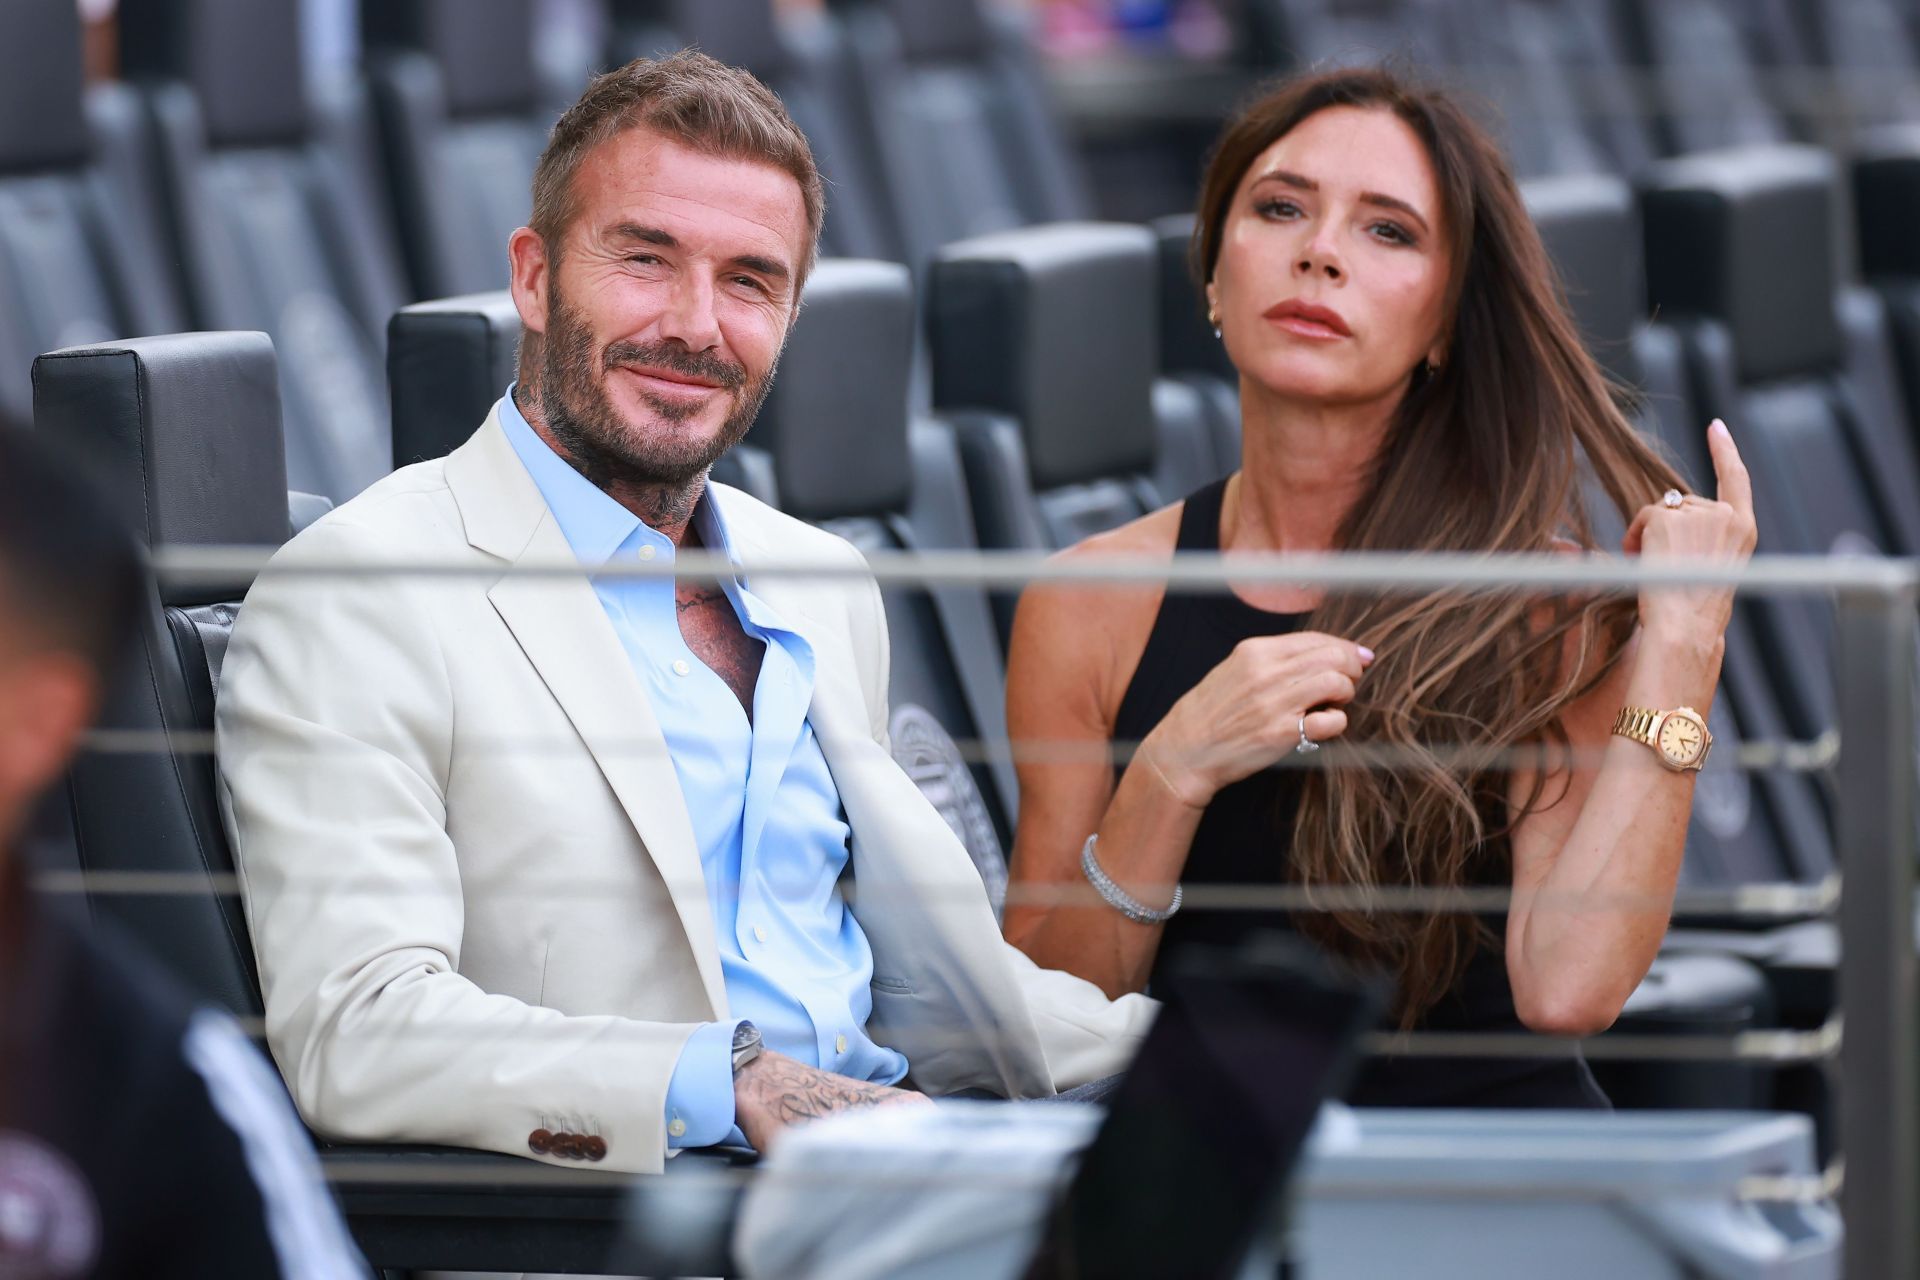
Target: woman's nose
1318 259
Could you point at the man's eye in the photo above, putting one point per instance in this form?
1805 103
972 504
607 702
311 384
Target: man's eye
644 259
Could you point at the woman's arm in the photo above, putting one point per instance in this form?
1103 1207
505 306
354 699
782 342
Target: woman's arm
1060 708
1595 865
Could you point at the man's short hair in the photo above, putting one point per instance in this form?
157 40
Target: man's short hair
71 575
701 103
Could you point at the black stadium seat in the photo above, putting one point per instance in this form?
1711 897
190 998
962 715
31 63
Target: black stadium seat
449 360
967 139
1886 194
1045 348
181 430
1706 64
80 249
276 216
805 62
1747 827
1190 352
1738 259
462 123
842 394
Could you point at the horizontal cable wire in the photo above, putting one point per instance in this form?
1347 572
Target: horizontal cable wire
1185 571
370 1171
1760 901
1791 755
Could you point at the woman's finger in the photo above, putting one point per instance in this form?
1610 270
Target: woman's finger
1630 541
1735 485
1330 723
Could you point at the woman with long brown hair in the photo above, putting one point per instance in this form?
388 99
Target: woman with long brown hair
1410 380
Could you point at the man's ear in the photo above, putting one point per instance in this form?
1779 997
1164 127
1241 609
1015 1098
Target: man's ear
531 278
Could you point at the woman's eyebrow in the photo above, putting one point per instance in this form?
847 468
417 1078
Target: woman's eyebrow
1301 182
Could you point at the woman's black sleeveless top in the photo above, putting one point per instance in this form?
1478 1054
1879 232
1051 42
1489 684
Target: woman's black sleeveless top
1243 839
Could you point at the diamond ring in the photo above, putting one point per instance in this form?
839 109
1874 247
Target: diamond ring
1306 743
1672 498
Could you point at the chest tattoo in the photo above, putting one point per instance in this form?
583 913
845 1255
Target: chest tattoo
712 630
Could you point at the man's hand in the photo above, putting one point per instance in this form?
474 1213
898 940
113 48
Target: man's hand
774 1091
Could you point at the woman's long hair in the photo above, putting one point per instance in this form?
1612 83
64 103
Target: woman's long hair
1482 456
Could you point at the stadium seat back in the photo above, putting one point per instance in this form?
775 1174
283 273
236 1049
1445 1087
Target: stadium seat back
80 250
1863 64
462 123
843 393
276 216
1737 254
802 59
1190 352
1706 60
1044 351
967 141
1747 827
183 432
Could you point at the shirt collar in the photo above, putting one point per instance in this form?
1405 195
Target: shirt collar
594 525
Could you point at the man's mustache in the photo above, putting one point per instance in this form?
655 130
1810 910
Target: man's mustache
673 356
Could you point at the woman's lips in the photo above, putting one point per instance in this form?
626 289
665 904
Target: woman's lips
1307 321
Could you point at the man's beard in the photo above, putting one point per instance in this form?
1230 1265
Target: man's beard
605 447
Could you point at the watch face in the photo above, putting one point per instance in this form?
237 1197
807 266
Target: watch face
1681 740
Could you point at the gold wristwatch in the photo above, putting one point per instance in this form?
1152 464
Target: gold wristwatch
1679 738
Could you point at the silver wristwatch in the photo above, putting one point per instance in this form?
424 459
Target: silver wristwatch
746 1045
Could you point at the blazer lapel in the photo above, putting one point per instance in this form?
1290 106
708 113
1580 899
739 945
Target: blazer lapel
561 627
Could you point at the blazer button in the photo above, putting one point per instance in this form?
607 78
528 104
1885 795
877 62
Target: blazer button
594 1147
540 1142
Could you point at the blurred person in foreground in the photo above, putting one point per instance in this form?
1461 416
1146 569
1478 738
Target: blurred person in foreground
1410 380
139 1135
590 868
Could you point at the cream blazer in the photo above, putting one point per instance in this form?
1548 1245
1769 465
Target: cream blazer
471 881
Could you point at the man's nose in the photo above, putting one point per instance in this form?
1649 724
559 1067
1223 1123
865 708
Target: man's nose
690 317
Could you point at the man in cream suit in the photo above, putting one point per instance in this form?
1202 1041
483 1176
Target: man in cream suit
594 868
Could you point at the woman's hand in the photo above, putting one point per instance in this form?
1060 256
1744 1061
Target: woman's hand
1699 529
1247 712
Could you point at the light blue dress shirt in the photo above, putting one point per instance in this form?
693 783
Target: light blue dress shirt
764 808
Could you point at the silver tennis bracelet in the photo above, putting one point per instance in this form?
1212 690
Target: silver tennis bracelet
1116 897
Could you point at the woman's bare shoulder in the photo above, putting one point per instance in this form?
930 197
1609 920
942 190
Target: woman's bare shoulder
1092 629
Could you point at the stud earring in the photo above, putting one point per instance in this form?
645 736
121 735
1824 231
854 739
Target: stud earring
1213 318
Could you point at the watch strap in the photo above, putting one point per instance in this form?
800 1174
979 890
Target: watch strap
1638 723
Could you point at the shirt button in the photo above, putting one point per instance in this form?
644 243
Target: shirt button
680 667
839 1044
759 934
646 552
677 1129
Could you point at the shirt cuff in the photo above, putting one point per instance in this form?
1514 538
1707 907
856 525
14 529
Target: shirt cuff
700 1096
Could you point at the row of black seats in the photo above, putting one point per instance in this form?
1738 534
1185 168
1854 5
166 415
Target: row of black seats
1581 86
216 189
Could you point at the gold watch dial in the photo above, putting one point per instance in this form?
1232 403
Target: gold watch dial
1681 740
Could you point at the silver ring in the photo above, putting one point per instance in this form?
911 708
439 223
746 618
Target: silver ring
1672 498
1306 743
